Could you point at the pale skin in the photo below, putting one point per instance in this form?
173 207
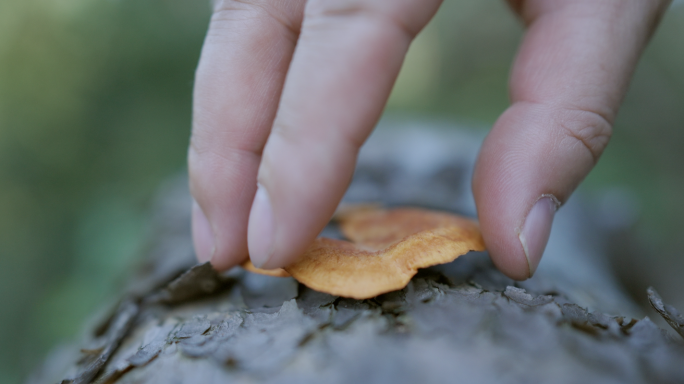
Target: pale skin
287 91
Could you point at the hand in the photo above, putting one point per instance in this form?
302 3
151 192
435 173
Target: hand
287 91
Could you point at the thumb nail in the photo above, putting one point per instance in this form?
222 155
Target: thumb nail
536 230
202 234
260 231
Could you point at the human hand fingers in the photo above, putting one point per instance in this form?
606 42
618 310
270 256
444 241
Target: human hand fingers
238 84
568 80
347 59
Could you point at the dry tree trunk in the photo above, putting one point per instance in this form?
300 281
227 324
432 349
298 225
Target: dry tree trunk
183 323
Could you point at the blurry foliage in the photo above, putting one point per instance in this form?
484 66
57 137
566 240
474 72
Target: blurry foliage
95 109
95 106
458 66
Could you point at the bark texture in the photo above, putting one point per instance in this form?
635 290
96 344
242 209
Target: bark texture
178 322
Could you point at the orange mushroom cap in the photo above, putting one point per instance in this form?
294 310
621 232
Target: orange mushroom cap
386 249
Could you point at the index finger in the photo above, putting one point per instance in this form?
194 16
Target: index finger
238 83
347 59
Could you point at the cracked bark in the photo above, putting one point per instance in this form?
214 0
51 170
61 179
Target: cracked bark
180 322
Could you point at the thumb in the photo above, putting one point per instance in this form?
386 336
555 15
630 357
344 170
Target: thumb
571 73
529 164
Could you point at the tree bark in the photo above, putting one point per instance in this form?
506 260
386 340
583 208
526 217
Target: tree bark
179 322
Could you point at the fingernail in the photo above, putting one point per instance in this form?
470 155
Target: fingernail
261 228
536 230
202 234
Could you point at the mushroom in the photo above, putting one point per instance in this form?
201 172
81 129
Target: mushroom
386 249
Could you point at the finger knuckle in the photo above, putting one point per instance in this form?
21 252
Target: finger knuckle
345 140
287 14
393 14
590 129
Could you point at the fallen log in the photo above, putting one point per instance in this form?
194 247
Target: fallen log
179 322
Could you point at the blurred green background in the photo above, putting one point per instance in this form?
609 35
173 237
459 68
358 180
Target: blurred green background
95 109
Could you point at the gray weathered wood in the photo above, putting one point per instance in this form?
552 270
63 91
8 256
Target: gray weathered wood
571 323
